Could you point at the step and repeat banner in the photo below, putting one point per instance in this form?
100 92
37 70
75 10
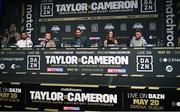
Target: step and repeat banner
145 62
156 19
54 98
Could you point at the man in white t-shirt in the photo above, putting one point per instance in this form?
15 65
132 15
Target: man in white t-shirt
25 41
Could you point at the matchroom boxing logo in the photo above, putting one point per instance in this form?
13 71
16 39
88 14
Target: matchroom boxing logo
144 63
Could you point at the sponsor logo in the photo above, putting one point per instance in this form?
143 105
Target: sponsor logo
13 66
152 37
123 27
55 69
94 28
138 26
71 108
71 89
68 28
170 23
170 60
152 26
94 38
46 9
175 104
163 60
174 60
148 5
109 27
40 39
29 20
169 68
2 66
116 70
178 104
33 62
43 29
144 63
55 28
81 26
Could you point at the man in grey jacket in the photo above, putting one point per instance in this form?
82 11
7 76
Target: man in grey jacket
48 42
138 40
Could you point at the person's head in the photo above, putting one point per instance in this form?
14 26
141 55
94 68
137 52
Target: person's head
6 32
24 35
110 34
12 28
1 35
138 34
77 32
47 36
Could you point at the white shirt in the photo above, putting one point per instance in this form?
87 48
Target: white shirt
138 43
24 43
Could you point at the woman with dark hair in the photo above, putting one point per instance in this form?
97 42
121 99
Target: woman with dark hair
110 40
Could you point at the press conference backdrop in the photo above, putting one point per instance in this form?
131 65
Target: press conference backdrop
147 62
156 19
69 97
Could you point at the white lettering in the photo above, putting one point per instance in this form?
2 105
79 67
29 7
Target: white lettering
123 60
170 23
29 20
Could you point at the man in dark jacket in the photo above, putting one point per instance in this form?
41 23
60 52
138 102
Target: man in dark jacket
79 40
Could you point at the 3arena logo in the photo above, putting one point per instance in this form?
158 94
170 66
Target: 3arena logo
169 68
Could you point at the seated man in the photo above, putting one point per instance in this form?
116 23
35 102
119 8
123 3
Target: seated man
78 40
25 41
138 40
48 42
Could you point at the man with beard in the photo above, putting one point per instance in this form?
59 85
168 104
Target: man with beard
138 40
79 40
25 41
